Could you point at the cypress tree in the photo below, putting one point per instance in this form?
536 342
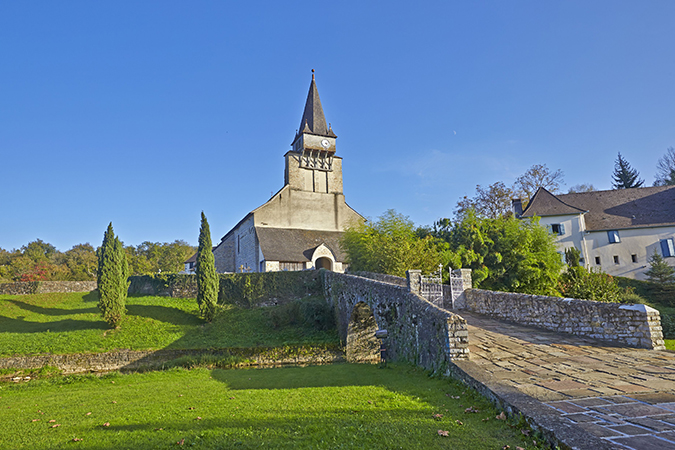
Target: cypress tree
207 280
625 177
113 271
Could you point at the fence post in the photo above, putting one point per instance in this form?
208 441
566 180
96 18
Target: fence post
463 277
414 280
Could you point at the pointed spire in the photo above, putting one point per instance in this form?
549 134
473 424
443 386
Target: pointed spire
313 121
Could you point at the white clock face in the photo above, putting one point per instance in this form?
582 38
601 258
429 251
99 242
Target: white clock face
325 143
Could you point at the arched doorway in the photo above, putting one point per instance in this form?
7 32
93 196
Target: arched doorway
362 345
323 263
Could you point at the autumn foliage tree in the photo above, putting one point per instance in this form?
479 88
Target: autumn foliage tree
113 272
207 279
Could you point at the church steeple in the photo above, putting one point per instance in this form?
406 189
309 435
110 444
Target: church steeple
311 165
313 123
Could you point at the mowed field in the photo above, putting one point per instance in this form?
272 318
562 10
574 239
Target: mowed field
340 406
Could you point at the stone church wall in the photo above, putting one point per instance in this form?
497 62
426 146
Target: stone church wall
224 256
245 247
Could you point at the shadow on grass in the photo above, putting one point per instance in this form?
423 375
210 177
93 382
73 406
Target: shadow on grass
19 325
91 296
165 314
51 311
293 377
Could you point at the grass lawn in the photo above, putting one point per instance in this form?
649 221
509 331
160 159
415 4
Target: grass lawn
324 407
71 323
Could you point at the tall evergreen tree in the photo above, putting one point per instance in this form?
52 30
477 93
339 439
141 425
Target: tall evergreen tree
625 177
207 279
660 271
113 272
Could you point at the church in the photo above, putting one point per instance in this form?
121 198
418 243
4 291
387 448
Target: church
300 227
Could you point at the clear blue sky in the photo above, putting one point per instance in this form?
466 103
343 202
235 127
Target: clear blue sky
146 113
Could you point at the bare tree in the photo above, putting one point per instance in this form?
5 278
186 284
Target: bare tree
665 169
538 176
583 187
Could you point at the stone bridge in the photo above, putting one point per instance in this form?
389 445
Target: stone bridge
418 331
584 374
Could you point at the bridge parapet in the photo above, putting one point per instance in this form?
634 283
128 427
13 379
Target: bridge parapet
418 331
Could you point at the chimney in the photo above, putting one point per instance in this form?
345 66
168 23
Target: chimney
517 207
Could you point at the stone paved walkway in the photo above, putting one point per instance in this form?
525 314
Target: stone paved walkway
622 395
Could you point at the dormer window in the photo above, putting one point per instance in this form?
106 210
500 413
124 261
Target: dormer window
613 237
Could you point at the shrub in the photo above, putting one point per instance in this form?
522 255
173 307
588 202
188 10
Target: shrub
317 313
311 312
668 325
577 282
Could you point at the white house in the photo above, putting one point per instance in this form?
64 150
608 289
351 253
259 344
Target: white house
616 231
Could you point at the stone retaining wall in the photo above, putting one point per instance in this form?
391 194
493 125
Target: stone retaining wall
134 360
418 332
632 325
43 287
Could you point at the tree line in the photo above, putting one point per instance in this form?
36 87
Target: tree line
39 260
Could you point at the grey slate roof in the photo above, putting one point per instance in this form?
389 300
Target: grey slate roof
313 121
546 204
610 210
294 245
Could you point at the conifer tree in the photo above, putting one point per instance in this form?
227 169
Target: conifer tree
660 271
207 279
625 177
113 272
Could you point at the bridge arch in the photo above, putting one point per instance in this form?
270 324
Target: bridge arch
418 332
361 345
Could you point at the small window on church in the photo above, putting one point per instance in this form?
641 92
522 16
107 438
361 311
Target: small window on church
238 244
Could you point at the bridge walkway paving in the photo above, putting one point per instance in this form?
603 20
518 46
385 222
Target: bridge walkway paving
623 396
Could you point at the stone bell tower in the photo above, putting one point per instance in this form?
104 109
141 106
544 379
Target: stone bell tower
311 165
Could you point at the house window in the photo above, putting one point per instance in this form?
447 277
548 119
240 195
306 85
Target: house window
597 260
613 237
557 228
616 259
634 258
667 247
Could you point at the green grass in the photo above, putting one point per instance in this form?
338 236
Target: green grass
670 343
343 406
71 323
